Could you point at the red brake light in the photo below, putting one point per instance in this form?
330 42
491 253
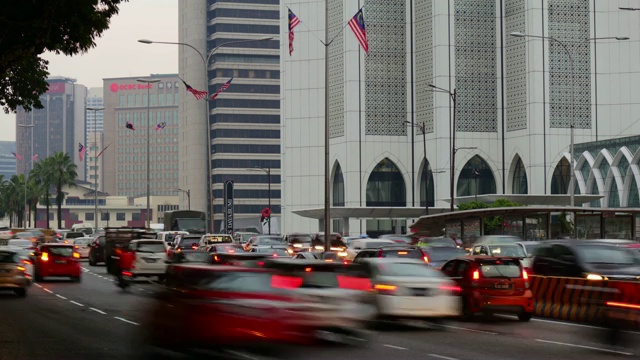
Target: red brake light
194 246
275 255
525 275
231 251
76 255
285 282
456 290
379 253
476 275
75 246
353 283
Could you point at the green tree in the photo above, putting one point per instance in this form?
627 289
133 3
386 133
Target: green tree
14 194
41 175
490 223
62 172
30 28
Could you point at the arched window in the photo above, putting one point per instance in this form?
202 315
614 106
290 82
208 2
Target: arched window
476 178
634 200
519 183
561 178
338 187
385 186
427 174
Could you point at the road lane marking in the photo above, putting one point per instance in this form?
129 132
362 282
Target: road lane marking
38 285
75 302
85 269
98 311
394 347
469 329
125 320
61 297
442 357
241 354
47 290
564 323
585 347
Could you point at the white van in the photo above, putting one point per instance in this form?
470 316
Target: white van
169 236
85 228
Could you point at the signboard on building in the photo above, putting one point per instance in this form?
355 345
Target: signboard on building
228 206
56 88
115 87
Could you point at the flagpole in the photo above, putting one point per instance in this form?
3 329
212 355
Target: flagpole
327 188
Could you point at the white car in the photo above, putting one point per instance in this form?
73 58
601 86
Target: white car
150 257
209 240
361 244
82 246
408 288
25 259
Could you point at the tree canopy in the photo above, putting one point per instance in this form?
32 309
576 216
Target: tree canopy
29 28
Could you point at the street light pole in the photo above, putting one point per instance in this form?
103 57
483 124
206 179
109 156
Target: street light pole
95 163
423 130
188 192
26 172
205 62
148 124
572 120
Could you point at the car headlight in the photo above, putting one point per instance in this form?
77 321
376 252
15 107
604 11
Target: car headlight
297 245
318 247
594 277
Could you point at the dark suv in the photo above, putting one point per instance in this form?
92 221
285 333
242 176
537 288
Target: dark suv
592 260
405 252
96 252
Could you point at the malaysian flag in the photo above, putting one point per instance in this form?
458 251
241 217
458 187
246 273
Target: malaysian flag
223 88
161 126
81 150
197 93
35 157
129 125
293 22
17 156
357 25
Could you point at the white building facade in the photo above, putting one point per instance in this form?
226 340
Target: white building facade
513 108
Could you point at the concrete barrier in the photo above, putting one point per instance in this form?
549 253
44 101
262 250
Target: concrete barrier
582 300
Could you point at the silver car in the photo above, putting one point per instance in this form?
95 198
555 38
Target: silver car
13 274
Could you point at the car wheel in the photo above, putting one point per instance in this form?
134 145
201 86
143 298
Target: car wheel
525 316
22 292
467 314
76 279
92 261
38 277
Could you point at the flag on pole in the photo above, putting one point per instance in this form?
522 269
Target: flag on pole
224 87
199 94
81 150
129 126
101 151
17 156
293 22
161 126
357 25
35 157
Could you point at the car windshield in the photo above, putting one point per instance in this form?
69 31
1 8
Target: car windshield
439 242
191 225
268 249
66 251
217 239
437 254
228 248
500 269
403 253
19 243
300 239
188 242
375 244
268 241
8 257
151 247
407 269
506 250
531 247
604 254
74 235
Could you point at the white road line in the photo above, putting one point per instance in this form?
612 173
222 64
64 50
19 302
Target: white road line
241 354
98 311
61 297
468 329
563 323
75 302
394 347
85 269
442 357
125 320
47 290
585 347
38 285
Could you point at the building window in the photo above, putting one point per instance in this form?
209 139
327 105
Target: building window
120 216
385 186
561 177
519 184
476 178
427 174
135 217
105 216
74 216
88 216
338 187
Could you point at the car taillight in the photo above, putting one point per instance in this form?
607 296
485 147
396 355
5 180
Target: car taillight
275 255
525 277
476 275
21 268
379 253
194 246
127 273
286 282
385 289
426 259
26 262
76 255
454 289
44 256
75 246
231 251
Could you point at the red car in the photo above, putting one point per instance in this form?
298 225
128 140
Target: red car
492 285
214 307
56 260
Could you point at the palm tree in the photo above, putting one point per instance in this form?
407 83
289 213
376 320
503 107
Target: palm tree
39 175
3 200
63 173
15 197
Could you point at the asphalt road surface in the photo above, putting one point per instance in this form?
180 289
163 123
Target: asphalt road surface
96 320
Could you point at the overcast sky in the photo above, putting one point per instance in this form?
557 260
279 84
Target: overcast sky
118 52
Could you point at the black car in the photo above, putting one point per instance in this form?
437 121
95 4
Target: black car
592 260
400 251
191 256
96 252
438 255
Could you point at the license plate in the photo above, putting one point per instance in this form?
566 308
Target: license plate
502 286
420 292
60 261
150 260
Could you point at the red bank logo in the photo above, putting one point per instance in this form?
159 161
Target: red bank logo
119 87
56 88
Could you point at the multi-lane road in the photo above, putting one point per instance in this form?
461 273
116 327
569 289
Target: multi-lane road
96 320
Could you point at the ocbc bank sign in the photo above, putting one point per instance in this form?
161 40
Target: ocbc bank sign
123 87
